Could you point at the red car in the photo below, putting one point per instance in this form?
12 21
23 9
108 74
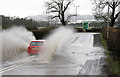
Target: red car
35 47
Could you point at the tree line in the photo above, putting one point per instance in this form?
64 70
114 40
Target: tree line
16 21
10 21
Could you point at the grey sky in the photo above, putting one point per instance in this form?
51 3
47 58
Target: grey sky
24 8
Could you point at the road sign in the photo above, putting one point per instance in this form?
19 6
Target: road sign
85 25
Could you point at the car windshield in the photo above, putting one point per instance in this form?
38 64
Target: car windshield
36 44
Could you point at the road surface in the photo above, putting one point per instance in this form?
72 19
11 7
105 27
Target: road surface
82 54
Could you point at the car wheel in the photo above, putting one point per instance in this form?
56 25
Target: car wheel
30 54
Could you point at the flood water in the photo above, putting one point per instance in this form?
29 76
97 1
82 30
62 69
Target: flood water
77 55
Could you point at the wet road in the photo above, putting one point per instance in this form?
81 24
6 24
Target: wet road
80 55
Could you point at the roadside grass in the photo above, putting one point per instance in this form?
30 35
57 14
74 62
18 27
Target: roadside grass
82 27
104 42
113 63
0 27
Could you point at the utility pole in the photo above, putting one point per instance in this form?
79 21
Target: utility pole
48 18
0 20
119 16
108 21
76 13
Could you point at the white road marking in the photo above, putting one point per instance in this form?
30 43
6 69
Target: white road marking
27 60
92 67
81 68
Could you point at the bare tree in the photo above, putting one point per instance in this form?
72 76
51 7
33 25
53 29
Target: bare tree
59 7
100 13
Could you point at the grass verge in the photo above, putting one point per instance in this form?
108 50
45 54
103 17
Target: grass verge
113 63
0 27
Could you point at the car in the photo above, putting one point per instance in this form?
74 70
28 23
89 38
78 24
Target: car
35 46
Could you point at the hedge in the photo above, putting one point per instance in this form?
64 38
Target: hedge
42 33
113 41
88 30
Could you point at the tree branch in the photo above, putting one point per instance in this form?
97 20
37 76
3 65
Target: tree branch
53 7
65 7
58 4
117 15
117 4
54 17
111 6
54 11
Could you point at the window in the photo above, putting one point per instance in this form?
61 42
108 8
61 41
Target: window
36 44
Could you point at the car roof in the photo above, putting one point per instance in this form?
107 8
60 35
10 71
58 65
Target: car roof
37 40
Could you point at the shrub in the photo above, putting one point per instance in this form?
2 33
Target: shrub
88 30
78 29
31 28
94 30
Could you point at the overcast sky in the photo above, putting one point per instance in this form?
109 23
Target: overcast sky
24 8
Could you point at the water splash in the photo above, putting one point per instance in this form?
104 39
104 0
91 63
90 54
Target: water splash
53 42
15 41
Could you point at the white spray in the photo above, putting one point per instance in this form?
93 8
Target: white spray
53 42
15 41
